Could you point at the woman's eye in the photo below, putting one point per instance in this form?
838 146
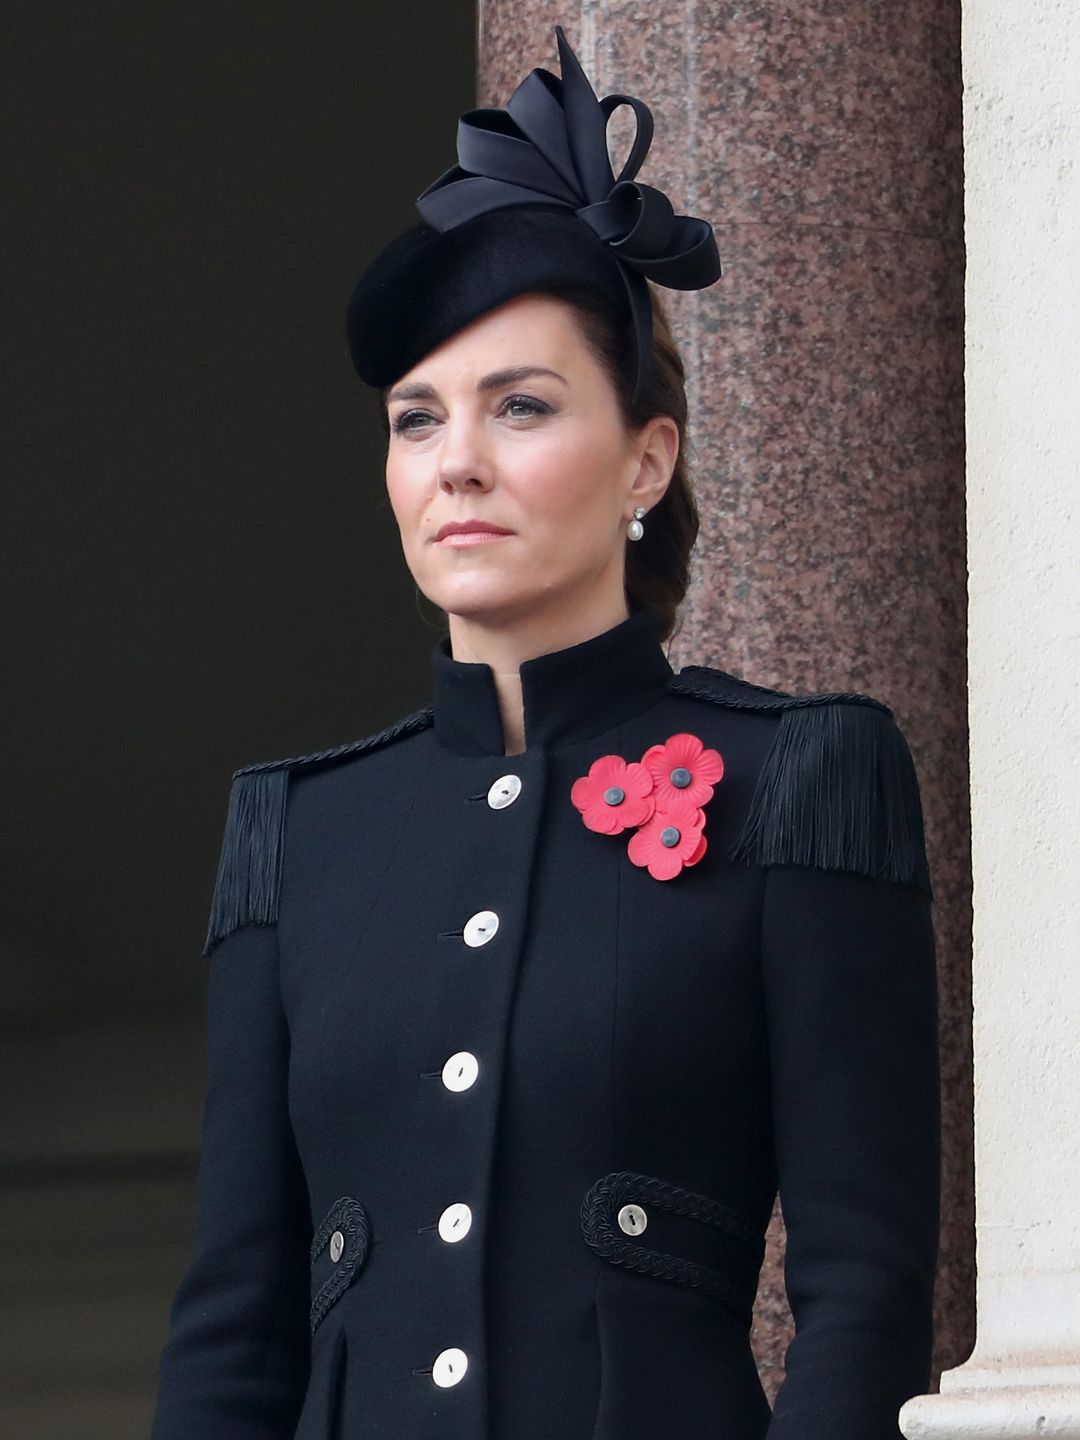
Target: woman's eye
531 406
405 421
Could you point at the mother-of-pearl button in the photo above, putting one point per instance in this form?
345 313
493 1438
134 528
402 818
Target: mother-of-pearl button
337 1246
455 1222
480 928
632 1219
460 1070
504 791
449 1367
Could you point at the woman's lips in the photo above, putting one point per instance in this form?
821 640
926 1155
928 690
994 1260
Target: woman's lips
472 537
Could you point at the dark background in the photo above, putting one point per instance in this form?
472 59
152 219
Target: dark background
199 569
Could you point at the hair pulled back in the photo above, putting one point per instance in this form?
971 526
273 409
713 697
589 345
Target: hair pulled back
657 572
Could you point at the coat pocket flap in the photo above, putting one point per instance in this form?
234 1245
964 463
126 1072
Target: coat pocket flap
657 1228
338 1250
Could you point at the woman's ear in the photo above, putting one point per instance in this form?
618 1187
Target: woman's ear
658 450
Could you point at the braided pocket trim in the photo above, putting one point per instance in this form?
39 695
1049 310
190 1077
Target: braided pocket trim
607 1195
350 1217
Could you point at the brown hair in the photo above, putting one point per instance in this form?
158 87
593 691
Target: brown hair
658 565
657 572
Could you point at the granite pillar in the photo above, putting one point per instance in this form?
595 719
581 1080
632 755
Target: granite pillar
822 139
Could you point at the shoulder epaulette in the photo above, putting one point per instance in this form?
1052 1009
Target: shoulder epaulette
248 880
837 788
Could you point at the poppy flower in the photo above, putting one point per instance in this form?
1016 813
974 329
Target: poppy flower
683 771
670 839
614 795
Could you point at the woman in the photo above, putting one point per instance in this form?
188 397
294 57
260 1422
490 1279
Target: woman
522 1009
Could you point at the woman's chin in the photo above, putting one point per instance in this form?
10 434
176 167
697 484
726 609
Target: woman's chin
482 601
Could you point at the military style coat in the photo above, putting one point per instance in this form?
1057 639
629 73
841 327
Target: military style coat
509 1055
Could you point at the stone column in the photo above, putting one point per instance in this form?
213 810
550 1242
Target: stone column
1022 147
823 142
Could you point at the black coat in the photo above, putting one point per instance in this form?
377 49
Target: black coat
609 1076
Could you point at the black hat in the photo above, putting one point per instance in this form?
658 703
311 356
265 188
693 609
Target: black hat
533 204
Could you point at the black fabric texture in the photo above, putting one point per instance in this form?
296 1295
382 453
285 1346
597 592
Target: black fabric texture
695 1046
426 285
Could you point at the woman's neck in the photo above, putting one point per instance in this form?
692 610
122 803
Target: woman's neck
504 648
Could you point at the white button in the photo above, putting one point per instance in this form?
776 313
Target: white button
480 928
455 1222
449 1367
632 1219
504 791
337 1245
460 1071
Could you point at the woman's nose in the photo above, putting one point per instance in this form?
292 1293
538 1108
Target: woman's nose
463 455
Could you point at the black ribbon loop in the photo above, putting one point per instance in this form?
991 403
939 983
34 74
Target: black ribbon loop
549 147
643 132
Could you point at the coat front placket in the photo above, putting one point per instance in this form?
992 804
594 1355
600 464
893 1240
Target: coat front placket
475 882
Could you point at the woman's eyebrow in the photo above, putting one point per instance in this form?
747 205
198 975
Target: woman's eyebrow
512 374
413 391
497 380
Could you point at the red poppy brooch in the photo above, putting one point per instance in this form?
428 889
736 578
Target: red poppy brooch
662 795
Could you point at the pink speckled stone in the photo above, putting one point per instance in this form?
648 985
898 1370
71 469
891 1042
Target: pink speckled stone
822 139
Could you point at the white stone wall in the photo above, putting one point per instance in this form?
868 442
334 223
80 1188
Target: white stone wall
1022 190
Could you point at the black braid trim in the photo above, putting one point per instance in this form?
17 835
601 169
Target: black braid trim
248 884
407 725
350 1217
604 1198
702 682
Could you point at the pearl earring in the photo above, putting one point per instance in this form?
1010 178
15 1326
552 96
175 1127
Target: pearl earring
635 530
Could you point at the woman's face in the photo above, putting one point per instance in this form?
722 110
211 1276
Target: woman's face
513 422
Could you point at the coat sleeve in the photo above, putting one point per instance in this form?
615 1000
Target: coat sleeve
850 979
234 1365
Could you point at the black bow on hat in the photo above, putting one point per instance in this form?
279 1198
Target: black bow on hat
549 147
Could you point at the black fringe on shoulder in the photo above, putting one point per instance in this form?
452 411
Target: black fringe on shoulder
837 790
249 869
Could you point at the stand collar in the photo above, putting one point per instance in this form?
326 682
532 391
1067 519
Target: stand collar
568 695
